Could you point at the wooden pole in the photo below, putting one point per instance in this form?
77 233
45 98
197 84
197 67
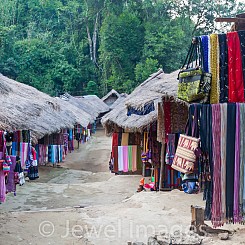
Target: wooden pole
162 166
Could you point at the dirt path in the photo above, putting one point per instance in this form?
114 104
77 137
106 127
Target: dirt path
83 203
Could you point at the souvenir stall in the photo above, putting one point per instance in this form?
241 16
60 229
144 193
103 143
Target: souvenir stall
82 134
17 159
171 121
212 80
53 148
126 153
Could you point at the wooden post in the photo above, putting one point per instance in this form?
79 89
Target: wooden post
162 166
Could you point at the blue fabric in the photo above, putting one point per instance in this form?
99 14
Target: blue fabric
205 50
14 148
146 110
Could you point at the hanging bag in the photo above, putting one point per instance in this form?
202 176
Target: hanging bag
194 84
186 153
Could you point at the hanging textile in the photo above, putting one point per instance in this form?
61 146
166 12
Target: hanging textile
217 205
125 158
170 150
120 158
214 59
242 158
242 42
223 56
125 137
223 108
10 183
115 159
2 187
23 154
236 209
205 49
134 158
130 157
230 156
235 71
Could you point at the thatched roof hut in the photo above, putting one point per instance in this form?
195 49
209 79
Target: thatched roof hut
90 104
157 87
25 108
96 102
113 97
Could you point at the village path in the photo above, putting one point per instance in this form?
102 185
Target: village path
83 203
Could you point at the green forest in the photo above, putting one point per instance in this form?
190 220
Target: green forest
91 46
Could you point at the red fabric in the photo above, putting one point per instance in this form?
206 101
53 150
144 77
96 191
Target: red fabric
235 73
114 142
167 119
34 153
115 154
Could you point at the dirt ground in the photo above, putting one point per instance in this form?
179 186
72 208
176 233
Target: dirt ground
83 203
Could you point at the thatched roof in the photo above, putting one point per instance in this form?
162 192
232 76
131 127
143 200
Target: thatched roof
91 105
24 107
120 100
159 85
94 102
112 92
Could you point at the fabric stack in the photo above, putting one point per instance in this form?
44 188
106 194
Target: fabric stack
126 153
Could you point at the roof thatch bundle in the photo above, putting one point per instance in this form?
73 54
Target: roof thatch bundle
91 104
113 92
158 86
94 102
25 108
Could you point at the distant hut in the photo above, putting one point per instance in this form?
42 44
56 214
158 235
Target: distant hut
113 98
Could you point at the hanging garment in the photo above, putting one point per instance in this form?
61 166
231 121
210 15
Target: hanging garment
23 154
217 204
242 43
242 158
134 158
236 210
214 59
223 59
170 149
10 183
223 108
230 156
130 158
125 137
125 158
115 159
114 142
120 158
235 71
205 49
2 187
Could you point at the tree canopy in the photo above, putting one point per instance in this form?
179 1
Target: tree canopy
92 46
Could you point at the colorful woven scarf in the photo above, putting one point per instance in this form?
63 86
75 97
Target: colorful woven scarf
242 156
236 84
242 43
115 163
216 205
223 108
205 49
230 156
214 59
223 68
236 209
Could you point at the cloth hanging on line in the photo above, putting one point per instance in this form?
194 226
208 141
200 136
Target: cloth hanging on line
236 84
